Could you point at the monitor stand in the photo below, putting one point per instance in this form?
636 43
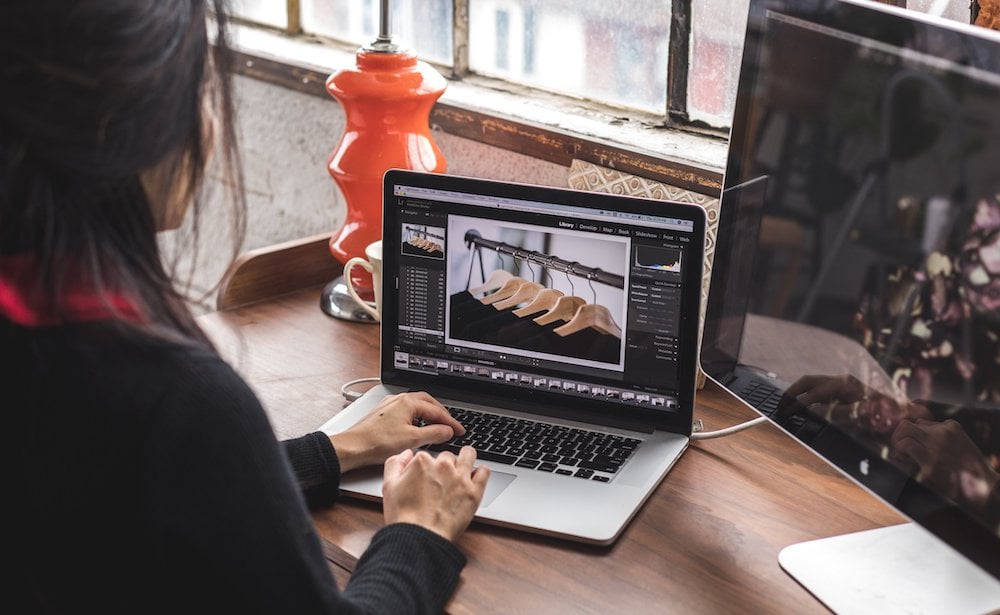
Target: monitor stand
896 569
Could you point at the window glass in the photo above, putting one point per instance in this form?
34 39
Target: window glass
717 31
606 50
423 26
951 9
269 12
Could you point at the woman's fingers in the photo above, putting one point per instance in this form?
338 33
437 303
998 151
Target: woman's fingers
437 414
466 458
440 493
395 464
421 406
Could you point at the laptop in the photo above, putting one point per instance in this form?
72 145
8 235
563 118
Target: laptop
559 326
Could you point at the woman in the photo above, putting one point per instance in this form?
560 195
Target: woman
142 474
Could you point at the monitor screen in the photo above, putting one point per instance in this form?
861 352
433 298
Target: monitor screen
855 294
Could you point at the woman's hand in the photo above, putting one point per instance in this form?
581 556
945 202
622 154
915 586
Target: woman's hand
398 422
847 402
439 493
947 460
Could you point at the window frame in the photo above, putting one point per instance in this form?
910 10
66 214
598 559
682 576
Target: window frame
542 139
674 115
531 138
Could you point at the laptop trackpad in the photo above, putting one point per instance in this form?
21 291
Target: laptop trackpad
495 486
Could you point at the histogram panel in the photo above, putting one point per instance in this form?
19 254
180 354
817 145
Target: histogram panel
660 259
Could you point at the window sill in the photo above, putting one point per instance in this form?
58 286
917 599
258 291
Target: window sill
549 127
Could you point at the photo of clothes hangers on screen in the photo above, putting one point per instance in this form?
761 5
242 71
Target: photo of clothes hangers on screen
537 289
423 240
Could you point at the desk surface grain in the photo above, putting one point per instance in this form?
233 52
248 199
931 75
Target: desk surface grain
706 541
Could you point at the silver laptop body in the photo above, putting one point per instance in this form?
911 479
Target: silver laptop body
450 242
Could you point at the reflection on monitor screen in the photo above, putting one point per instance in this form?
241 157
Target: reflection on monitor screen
855 295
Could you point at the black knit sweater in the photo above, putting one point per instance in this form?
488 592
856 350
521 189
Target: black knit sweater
144 477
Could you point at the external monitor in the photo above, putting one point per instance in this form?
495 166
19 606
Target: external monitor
855 294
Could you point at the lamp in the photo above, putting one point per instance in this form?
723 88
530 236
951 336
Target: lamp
387 99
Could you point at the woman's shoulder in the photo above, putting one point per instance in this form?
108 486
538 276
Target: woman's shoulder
142 373
126 377
192 395
149 356
187 376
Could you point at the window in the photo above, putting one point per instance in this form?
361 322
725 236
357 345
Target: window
676 59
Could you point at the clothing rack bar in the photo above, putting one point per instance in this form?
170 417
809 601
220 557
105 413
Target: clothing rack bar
473 237
424 233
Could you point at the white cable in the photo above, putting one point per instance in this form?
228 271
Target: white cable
704 435
353 395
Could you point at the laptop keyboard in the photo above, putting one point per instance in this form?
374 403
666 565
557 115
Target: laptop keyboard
765 397
545 447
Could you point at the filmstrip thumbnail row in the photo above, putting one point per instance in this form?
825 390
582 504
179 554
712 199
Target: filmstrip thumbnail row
405 360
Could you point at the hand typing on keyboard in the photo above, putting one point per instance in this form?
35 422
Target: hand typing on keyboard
404 421
439 493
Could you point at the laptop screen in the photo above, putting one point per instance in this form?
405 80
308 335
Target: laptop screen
573 302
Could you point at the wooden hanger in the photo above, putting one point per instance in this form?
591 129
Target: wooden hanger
564 309
507 290
493 282
591 316
544 300
524 293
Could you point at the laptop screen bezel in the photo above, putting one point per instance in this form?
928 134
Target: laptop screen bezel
678 420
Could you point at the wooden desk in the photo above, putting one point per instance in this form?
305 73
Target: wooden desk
707 541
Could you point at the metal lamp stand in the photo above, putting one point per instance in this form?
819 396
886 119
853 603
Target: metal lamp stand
337 302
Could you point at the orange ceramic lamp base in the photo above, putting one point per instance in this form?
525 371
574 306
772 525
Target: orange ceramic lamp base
387 99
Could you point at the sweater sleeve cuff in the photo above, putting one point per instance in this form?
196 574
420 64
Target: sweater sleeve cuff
446 548
316 466
410 568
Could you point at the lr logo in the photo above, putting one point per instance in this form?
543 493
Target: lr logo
863 466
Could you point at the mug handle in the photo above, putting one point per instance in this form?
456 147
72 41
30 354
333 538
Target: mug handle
357 260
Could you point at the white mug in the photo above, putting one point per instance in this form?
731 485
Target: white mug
373 265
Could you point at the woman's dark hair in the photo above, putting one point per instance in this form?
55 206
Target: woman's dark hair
93 93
